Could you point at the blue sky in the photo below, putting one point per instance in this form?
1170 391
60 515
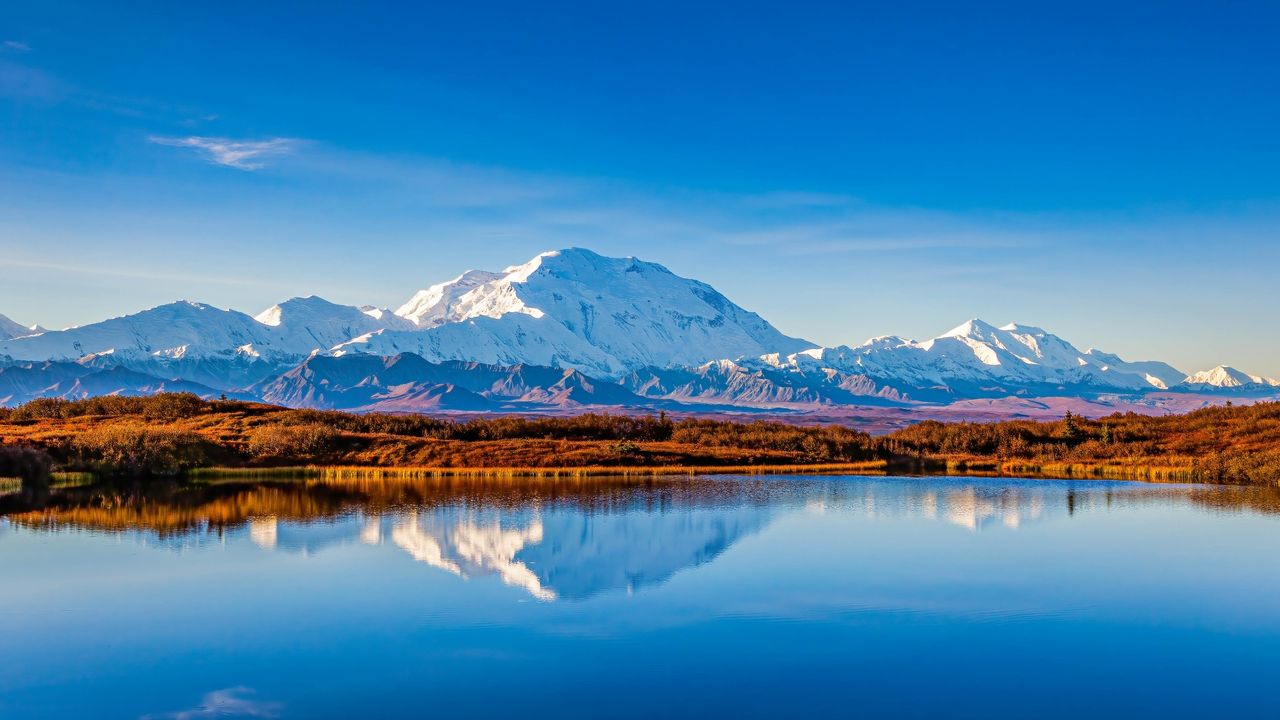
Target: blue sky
1107 171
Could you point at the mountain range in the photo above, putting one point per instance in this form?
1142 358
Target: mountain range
571 329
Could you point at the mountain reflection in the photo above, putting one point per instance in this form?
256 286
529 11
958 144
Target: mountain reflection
551 552
971 507
566 540
467 548
560 552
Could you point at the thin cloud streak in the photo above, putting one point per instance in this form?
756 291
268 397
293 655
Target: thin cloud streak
238 154
491 202
24 83
133 274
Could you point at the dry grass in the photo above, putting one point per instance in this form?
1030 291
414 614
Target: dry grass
237 436
590 471
1102 471
1235 445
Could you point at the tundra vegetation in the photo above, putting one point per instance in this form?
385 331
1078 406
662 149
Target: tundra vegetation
172 434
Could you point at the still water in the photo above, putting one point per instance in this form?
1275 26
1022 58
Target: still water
723 597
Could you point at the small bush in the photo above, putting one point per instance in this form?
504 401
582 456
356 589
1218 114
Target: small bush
292 441
1257 468
164 406
40 409
30 464
172 406
626 447
138 449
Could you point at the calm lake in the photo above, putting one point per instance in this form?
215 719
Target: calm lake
736 597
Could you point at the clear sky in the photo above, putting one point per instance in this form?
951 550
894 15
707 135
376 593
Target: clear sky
1108 171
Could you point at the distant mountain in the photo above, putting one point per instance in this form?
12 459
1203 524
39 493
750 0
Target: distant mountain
305 324
760 385
977 359
567 329
442 302
172 330
10 329
296 327
1227 378
574 308
22 382
408 382
511 340
223 349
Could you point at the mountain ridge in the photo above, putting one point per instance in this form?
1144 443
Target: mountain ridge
11 329
631 330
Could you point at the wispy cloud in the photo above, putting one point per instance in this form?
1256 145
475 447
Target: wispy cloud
136 274
30 84
238 154
22 81
227 703
16 46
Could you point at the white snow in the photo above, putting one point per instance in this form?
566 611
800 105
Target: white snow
977 352
189 329
1224 376
604 316
438 303
10 329
578 309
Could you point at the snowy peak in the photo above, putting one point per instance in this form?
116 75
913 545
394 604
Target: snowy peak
175 330
1225 376
976 357
1034 352
10 329
312 308
975 329
303 324
631 312
1023 329
378 313
433 306
1012 347
307 306
186 329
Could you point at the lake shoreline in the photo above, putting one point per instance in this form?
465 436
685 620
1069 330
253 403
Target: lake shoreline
879 468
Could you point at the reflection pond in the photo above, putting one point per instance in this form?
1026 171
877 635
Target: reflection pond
709 597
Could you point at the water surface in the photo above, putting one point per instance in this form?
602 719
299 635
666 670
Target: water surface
722 597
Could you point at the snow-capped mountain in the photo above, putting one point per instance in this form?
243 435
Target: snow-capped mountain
304 324
439 303
183 332
10 329
755 384
172 330
515 339
979 359
575 308
1224 376
568 328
